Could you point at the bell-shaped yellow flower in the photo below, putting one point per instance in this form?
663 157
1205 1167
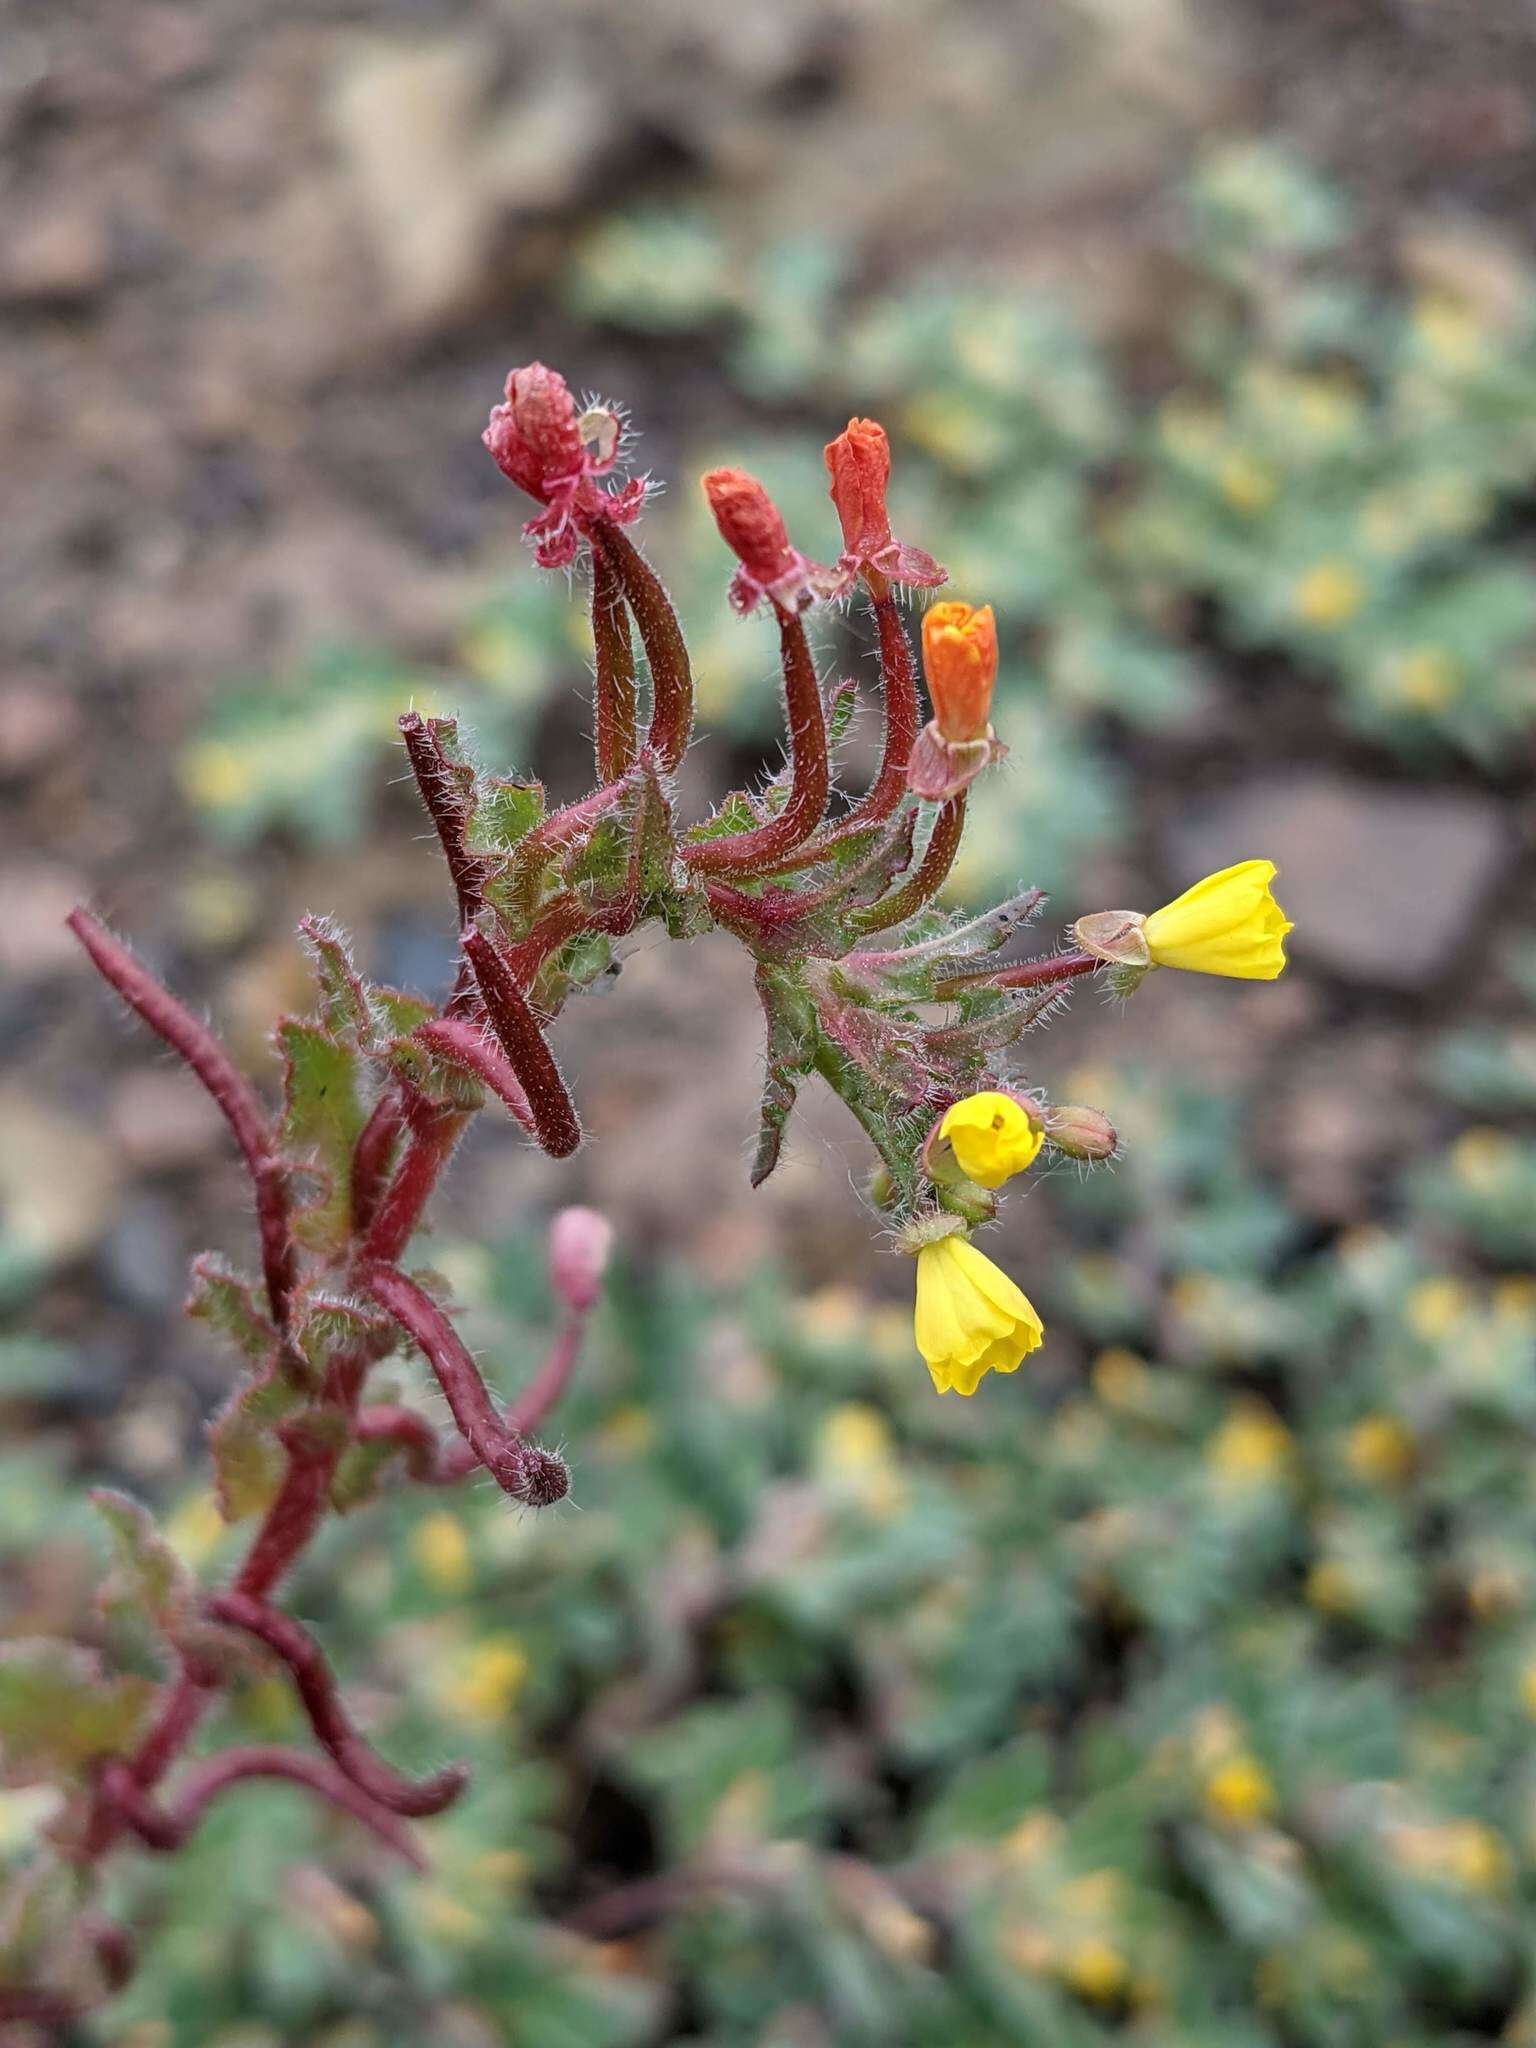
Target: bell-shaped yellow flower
1227 924
992 1137
970 1318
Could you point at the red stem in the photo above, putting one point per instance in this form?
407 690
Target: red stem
666 653
614 734
445 805
167 1828
558 921
429 1462
372 1153
938 859
506 1008
434 1133
1032 974
518 1468
451 1038
903 717
528 1411
316 1686
196 1044
810 774
290 1520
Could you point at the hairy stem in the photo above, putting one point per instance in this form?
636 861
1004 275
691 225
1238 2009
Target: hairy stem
1032 974
614 735
196 1044
932 872
166 1828
756 851
518 1468
316 1686
662 638
506 1009
452 1038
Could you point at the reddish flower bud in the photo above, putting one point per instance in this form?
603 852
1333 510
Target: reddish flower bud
859 464
960 665
753 529
537 438
579 1243
532 436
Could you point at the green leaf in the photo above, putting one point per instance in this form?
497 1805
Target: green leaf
225 1301
344 1006
504 814
60 1713
248 1459
323 1114
148 1580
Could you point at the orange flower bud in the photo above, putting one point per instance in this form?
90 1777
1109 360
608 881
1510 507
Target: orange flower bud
859 464
960 664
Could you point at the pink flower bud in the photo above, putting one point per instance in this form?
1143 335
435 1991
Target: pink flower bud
579 1243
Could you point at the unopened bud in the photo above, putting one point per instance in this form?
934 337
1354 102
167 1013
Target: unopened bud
580 1241
752 527
750 524
859 464
1080 1133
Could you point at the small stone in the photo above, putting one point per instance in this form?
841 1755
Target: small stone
1383 886
60 258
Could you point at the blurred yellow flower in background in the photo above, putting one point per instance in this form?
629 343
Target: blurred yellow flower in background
1328 594
441 1551
1238 1793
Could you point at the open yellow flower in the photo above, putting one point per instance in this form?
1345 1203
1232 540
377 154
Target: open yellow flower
970 1318
1227 924
992 1137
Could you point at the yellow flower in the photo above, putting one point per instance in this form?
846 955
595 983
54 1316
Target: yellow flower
441 1551
485 1684
1252 1448
1095 1970
1227 924
1239 1794
1379 1450
1434 1307
970 1318
1329 594
992 1137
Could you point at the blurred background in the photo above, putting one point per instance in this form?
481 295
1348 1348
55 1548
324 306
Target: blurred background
1181 1690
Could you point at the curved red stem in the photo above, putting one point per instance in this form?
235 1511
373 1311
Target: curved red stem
316 1686
756 851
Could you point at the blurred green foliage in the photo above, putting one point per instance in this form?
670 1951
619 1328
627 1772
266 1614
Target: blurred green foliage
1180 1690
1323 475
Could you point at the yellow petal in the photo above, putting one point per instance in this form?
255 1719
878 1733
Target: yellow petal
970 1318
1227 924
992 1137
